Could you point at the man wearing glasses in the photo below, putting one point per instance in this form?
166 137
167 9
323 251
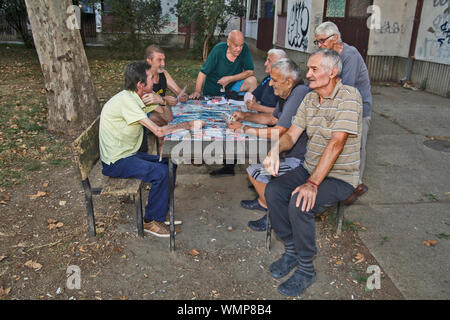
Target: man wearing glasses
355 74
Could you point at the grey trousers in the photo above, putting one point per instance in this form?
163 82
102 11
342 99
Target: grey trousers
365 131
291 223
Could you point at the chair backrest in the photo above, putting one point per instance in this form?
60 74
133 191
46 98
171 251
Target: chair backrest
86 149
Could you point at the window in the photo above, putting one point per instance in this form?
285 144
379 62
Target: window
358 8
253 10
336 8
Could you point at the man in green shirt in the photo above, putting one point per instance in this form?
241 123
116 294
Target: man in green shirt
120 136
229 66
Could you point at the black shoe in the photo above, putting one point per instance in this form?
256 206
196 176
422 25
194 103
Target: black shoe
296 284
226 170
252 205
281 267
258 225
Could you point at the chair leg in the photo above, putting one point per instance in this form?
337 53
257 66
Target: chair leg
339 217
171 206
140 223
89 207
268 232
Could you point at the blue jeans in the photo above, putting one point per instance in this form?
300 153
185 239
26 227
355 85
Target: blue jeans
147 168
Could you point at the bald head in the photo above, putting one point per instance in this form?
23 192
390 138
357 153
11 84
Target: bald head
235 43
236 35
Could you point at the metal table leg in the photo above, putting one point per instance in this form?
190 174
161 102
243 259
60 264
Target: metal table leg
171 206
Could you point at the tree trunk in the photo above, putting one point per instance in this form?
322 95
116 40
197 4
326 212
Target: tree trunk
187 37
206 46
71 98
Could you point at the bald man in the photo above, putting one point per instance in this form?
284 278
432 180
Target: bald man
229 67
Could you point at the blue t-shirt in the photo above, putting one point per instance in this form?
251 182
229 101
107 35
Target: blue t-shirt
354 73
285 111
265 94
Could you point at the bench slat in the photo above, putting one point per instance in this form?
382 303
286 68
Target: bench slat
121 187
86 149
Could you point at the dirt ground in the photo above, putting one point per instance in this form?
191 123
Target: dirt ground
44 231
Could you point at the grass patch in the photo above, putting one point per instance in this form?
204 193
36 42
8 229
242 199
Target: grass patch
25 144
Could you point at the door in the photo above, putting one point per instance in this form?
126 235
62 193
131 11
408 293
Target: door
264 40
350 16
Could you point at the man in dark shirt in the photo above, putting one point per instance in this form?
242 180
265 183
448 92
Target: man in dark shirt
228 67
263 98
288 85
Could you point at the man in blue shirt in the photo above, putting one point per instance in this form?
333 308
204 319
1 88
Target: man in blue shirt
264 99
354 73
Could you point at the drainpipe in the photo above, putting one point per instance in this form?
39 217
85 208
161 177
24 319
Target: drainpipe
412 46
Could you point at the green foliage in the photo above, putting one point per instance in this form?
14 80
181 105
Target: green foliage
207 17
135 24
16 16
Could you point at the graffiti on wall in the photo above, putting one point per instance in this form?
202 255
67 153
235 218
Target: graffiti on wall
434 44
298 24
389 27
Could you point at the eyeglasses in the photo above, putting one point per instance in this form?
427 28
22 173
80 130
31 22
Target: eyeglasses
322 41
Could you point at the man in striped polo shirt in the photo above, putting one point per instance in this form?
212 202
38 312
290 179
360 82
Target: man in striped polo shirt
332 116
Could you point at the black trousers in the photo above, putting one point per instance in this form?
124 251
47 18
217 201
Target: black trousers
291 223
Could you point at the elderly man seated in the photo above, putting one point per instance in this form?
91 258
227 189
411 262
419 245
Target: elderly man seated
229 66
263 98
331 115
287 83
355 74
120 134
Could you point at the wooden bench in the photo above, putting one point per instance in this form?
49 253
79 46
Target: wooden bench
87 153
339 219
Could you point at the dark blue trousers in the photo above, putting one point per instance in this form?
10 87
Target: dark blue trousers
147 168
291 223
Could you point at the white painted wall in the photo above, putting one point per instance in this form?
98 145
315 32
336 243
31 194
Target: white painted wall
393 38
434 32
251 26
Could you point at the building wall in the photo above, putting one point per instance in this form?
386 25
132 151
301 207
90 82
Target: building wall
433 39
393 38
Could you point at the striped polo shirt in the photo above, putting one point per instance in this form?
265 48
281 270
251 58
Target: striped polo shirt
340 112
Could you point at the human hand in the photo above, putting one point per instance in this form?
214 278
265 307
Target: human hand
308 193
272 163
251 105
235 125
238 116
195 95
171 101
224 81
196 124
183 98
152 98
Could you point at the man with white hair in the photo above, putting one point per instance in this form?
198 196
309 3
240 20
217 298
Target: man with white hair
229 67
355 74
287 83
264 100
331 115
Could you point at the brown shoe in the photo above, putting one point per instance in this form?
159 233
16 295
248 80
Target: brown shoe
156 228
359 191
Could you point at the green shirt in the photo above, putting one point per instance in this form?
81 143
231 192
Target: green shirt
120 133
217 66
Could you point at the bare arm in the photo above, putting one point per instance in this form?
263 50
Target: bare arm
224 81
286 142
255 106
261 118
198 86
162 131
